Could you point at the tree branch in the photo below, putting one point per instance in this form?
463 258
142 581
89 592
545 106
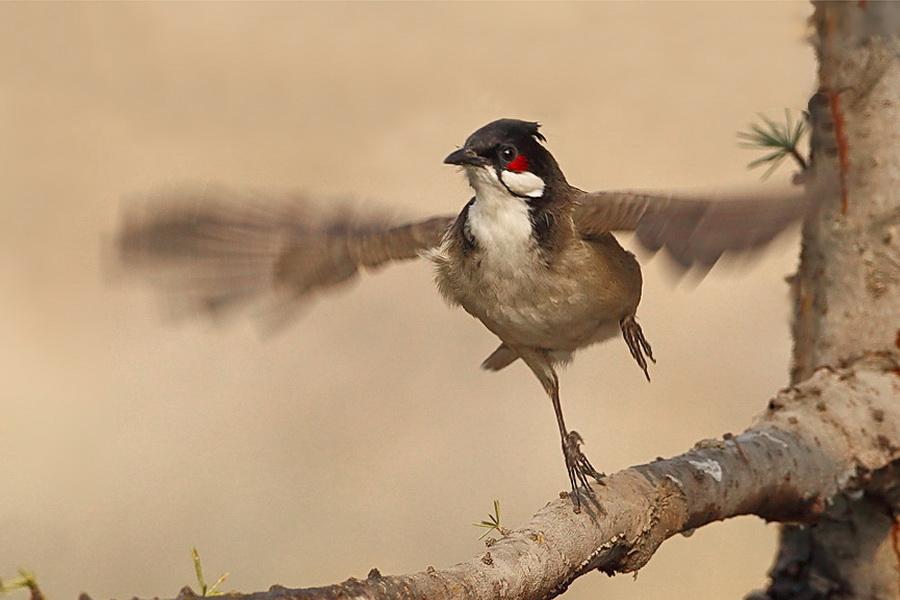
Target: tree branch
829 436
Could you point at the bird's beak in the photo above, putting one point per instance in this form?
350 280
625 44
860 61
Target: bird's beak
465 156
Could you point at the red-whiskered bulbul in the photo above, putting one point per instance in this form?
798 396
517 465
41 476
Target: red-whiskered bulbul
530 256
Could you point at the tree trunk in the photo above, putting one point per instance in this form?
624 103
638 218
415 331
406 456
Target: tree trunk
847 290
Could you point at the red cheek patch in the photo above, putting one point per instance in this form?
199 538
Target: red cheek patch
519 164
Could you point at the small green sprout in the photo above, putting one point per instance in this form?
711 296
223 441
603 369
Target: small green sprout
492 523
781 138
25 581
198 568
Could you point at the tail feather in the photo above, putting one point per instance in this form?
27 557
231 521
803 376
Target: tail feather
500 358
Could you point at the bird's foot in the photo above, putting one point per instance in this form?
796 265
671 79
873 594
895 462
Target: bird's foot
579 467
637 343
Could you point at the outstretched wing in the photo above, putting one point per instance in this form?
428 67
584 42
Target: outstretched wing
695 231
211 250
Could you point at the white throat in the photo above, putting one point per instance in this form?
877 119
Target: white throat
499 221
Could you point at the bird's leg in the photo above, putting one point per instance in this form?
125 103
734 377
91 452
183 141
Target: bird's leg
637 343
577 464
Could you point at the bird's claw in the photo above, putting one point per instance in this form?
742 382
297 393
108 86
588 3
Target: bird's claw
578 466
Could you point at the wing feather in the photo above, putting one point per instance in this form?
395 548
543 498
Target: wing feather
212 250
696 232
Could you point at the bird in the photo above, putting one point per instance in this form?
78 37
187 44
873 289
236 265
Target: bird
530 256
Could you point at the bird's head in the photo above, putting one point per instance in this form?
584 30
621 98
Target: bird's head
508 154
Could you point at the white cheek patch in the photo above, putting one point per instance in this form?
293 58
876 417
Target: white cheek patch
524 183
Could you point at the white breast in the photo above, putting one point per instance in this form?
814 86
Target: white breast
500 224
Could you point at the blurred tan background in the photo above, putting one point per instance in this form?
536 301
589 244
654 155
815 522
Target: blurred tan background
365 435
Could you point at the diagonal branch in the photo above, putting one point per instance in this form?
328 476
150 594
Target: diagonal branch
814 442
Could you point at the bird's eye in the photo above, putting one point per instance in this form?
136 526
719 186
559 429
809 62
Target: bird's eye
508 154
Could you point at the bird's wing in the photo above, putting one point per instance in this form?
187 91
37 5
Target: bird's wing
696 232
212 250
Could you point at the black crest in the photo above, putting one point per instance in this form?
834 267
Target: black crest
505 131
525 138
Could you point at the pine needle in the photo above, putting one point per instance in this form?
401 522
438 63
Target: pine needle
781 138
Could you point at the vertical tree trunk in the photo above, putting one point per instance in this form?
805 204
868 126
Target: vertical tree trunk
847 290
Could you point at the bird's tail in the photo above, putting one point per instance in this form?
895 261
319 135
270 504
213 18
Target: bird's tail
500 358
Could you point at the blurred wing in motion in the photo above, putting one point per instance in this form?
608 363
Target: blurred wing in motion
696 232
213 250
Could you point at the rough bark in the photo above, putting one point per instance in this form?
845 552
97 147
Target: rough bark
848 285
847 289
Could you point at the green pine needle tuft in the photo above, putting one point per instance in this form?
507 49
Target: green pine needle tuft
212 590
492 523
25 581
781 138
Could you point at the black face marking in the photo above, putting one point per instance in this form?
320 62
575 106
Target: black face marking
542 223
468 243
